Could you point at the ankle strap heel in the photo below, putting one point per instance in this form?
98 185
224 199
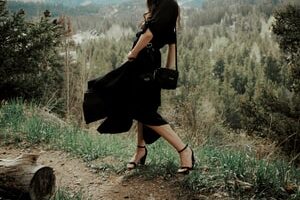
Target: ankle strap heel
187 169
184 148
133 164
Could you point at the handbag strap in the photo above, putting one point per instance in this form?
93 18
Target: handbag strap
176 49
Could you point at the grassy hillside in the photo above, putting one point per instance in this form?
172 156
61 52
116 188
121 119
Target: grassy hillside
237 173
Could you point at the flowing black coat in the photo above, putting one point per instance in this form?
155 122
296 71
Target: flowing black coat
127 92
122 93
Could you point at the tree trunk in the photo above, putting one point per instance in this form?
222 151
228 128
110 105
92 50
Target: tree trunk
23 175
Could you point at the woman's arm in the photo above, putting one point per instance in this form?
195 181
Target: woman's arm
144 39
171 56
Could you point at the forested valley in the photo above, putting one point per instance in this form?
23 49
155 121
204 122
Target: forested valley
239 64
232 69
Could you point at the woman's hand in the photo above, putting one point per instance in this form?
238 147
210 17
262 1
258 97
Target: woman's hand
142 42
131 56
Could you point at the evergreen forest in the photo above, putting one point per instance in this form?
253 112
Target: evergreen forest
239 64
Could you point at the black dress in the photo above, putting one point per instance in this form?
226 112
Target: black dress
127 93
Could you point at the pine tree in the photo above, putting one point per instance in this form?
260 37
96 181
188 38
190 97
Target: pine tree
30 65
274 110
287 30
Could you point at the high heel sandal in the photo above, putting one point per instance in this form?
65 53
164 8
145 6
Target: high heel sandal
186 169
141 161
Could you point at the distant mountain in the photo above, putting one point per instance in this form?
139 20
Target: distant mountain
190 3
76 3
28 1
85 7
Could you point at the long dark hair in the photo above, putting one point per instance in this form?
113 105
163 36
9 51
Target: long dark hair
152 5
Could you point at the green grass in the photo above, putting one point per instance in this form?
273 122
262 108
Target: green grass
35 130
242 175
63 194
236 173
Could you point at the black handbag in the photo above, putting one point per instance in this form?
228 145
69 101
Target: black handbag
167 78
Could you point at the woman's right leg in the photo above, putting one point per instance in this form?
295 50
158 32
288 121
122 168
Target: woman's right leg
141 150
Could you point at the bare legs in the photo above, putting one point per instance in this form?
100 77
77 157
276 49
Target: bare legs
140 138
169 134
172 138
140 151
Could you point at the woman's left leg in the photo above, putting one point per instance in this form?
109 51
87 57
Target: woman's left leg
186 154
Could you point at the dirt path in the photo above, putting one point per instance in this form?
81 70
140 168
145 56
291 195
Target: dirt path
72 174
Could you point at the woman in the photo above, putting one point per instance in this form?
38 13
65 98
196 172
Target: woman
158 30
126 93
